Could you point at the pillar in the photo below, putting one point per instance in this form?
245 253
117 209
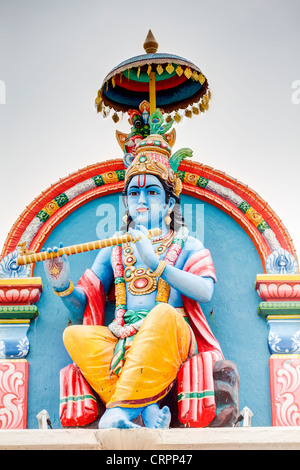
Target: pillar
18 294
280 305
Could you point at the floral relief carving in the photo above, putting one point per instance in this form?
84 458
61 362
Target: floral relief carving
278 291
285 390
13 394
19 295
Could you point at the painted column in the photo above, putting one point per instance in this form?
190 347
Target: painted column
18 294
280 295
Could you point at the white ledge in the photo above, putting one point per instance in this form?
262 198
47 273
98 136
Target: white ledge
254 438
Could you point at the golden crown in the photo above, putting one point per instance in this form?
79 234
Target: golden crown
152 157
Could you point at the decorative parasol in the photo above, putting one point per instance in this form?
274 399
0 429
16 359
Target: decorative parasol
167 81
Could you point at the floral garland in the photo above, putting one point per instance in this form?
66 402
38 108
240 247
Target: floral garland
118 326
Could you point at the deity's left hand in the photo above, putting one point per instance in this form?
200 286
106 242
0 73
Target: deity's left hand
57 270
144 247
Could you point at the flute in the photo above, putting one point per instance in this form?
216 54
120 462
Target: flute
80 248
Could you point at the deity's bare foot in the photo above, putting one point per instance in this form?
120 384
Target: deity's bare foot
119 418
154 417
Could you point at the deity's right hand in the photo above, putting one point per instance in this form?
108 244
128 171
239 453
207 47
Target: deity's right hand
57 270
144 246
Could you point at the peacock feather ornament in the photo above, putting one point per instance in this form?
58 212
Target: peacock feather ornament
153 154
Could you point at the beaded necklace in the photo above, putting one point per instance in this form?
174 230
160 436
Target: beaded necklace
141 280
141 275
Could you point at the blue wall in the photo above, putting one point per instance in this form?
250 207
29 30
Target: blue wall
231 313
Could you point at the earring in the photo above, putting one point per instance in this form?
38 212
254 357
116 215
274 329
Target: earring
168 218
125 218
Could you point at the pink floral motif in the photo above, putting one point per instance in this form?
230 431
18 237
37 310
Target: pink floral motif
285 389
13 394
19 295
15 291
279 290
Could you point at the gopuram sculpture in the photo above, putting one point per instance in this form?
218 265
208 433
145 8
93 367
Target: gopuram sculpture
157 324
159 283
159 335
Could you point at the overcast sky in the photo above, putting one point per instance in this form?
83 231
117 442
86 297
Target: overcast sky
55 54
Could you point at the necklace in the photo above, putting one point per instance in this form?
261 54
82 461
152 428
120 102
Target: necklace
163 289
159 238
141 280
166 242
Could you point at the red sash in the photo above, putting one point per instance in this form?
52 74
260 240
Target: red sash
78 405
196 397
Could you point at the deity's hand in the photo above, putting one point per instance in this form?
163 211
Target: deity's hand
124 331
57 270
144 247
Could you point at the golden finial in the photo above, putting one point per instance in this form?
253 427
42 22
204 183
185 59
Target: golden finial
150 44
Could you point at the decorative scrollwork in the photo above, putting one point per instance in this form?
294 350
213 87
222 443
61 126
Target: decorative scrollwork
287 405
12 381
281 262
10 269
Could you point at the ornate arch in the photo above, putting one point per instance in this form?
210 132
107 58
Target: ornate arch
240 202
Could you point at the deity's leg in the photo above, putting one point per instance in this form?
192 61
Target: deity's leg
158 350
119 418
150 368
154 417
92 348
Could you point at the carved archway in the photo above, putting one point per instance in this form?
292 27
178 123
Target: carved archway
240 202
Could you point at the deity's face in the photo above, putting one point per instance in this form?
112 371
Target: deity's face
146 201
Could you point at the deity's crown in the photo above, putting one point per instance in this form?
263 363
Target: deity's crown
153 155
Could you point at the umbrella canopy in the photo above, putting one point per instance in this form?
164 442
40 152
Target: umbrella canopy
168 81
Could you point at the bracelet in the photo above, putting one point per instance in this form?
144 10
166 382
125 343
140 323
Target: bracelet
160 269
65 292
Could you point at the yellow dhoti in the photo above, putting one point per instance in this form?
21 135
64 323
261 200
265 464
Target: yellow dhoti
151 364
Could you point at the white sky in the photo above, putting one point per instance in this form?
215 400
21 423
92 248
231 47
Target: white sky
55 54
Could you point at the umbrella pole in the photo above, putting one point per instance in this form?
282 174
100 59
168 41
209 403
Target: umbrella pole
152 92
151 46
